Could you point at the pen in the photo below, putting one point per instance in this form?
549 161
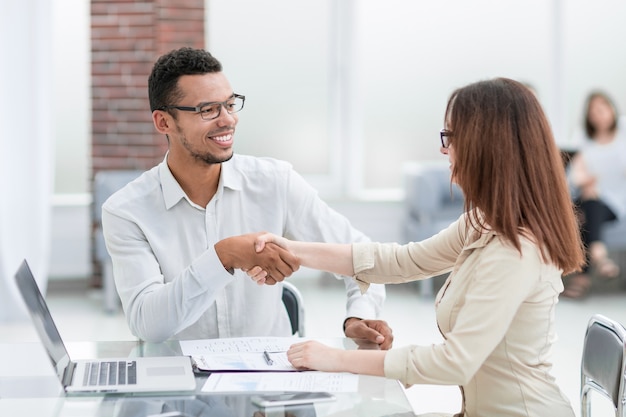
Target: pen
267 358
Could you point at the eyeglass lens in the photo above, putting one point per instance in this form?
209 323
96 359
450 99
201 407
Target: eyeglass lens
212 110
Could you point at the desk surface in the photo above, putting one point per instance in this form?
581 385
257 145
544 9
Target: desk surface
28 387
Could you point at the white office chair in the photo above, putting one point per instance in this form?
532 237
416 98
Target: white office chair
292 298
603 364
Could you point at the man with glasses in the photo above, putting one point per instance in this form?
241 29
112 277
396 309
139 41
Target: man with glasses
174 233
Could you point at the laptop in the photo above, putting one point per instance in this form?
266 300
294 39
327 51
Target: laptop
150 375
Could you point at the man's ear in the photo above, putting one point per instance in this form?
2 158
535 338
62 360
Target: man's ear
162 121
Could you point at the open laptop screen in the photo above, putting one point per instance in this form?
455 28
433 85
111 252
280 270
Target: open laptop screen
42 318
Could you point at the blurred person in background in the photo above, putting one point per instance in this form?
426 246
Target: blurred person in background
597 173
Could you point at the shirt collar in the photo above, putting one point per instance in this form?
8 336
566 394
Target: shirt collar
173 192
231 177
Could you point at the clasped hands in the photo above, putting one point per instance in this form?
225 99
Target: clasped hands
263 242
268 259
260 255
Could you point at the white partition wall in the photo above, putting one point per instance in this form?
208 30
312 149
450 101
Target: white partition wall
350 90
26 143
346 90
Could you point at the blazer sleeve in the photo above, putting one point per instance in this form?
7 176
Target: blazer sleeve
394 263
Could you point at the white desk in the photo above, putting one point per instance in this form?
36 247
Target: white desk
29 388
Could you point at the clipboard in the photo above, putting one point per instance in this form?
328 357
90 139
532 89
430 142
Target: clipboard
242 362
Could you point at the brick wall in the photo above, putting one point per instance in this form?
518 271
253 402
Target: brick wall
126 38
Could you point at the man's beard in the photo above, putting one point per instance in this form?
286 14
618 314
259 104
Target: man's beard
206 157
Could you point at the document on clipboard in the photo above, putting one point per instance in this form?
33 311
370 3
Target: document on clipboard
268 354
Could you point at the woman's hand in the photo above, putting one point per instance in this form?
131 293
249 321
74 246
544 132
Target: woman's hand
261 240
583 179
329 257
315 355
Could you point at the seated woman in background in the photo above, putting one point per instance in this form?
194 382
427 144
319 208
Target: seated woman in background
505 255
598 173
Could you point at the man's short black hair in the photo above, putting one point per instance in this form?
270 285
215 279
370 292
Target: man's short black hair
163 81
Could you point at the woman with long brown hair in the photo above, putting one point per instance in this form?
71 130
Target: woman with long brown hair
505 256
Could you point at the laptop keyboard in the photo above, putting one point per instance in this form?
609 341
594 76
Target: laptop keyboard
110 373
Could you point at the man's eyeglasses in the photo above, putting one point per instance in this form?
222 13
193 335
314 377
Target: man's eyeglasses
445 135
210 111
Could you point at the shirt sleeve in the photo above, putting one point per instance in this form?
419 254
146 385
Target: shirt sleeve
310 219
155 310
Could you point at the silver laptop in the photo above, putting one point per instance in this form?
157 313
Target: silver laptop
164 374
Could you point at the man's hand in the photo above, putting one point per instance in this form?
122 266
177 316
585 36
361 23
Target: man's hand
239 252
375 331
257 273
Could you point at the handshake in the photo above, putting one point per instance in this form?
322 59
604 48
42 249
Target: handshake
265 257
269 259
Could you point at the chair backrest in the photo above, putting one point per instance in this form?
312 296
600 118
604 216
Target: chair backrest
428 188
431 201
106 183
603 363
292 298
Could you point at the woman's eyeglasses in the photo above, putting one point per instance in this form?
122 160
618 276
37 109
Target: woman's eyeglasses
445 135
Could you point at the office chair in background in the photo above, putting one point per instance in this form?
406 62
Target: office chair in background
292 298
603 364
431 203
106 183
